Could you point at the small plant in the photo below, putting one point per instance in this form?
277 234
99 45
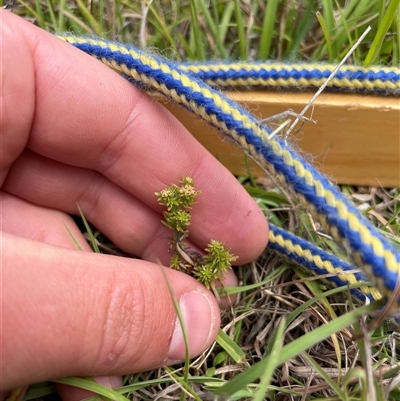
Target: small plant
207 268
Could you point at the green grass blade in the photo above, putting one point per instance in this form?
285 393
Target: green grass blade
161 380
233 350
187 390
226 17
29 9
91 385
343 32
270 367
60 25
212 24
89 17
376 45
274 199
200 53
325 31
359 374
396 45
39 390
220 32
240 30
188 50
76 23
294 348
264 51
381 10
89 231
306 22
40 15
183 327
243 288
74 240
334 386
328 14
102 20
51 13
348 10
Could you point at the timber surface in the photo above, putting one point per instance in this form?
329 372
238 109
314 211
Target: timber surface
356 139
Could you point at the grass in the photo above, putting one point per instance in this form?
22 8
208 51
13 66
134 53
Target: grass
288 337
188 29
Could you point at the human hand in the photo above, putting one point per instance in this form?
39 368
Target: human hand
74 132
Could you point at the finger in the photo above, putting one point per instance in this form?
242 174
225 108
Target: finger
17 95
27 220
125 220
88 116
77 313
55 228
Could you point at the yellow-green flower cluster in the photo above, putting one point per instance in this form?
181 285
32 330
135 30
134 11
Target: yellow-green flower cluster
178 200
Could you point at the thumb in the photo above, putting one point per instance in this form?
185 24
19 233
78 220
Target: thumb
68 312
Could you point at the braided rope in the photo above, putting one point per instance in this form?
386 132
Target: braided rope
371 252
288 76
308 255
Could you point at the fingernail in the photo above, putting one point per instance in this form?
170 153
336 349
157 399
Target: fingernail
199 320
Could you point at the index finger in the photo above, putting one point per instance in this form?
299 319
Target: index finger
88 116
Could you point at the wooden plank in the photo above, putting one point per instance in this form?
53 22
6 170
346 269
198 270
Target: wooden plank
356 139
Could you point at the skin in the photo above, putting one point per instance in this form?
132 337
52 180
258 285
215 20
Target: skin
73 131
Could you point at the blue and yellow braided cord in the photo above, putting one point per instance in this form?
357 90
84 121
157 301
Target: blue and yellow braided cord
308 255
290 76
371 252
